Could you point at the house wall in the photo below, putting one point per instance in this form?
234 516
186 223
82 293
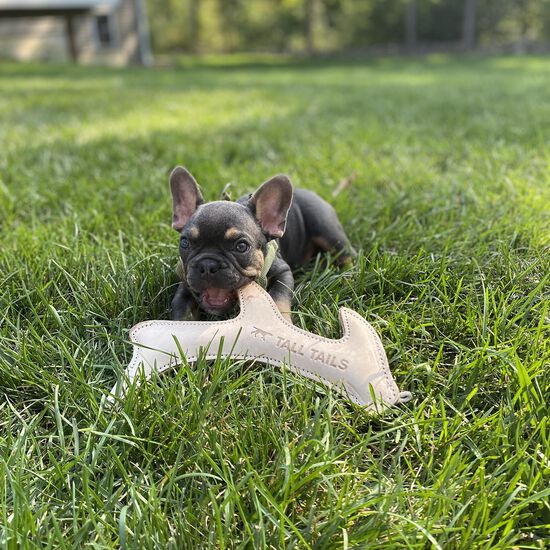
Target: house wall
33 38
44 38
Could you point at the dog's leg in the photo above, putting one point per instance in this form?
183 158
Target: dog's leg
325 232
333 243
330 237
281 286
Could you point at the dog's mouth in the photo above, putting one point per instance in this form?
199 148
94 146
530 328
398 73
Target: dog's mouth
218 300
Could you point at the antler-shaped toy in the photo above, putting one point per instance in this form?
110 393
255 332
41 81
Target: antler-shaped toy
356 364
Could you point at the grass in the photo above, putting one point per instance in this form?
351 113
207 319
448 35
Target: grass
449 210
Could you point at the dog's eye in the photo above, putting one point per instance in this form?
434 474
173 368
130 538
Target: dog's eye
184 243
242 246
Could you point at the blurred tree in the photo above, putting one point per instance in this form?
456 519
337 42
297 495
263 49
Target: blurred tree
233 16
469 24
440 21
331 25
513 22
411 36
166 20
309 25
194 24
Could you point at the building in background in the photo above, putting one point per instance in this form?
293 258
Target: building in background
113 32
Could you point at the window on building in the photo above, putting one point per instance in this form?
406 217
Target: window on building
105 33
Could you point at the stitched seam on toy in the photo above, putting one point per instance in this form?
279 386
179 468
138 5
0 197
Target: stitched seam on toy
280 363
235 319
349 388
350 391
297 330
277 313
381 363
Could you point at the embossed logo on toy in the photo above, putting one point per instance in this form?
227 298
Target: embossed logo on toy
318 355
260 333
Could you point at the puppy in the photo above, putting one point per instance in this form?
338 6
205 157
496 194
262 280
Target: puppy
224 245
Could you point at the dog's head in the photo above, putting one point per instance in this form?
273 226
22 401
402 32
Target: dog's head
223 243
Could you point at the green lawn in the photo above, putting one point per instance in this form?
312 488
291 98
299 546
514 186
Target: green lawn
449 210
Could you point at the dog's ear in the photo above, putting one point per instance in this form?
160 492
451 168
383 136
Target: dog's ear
270 204
186 197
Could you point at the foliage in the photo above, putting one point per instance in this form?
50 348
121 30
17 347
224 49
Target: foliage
448 210
280 25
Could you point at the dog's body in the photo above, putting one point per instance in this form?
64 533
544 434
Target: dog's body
224 244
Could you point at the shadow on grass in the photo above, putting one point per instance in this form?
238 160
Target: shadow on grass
262 63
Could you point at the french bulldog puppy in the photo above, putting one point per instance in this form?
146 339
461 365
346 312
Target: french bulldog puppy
224 244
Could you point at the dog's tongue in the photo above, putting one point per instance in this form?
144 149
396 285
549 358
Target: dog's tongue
218 297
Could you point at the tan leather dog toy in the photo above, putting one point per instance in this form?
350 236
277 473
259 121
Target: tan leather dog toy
356 364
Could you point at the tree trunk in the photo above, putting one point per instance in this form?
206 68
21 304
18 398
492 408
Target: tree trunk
71 38
410 25
469 25
309 22
194 24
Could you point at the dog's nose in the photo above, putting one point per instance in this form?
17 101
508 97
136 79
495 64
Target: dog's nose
209 266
